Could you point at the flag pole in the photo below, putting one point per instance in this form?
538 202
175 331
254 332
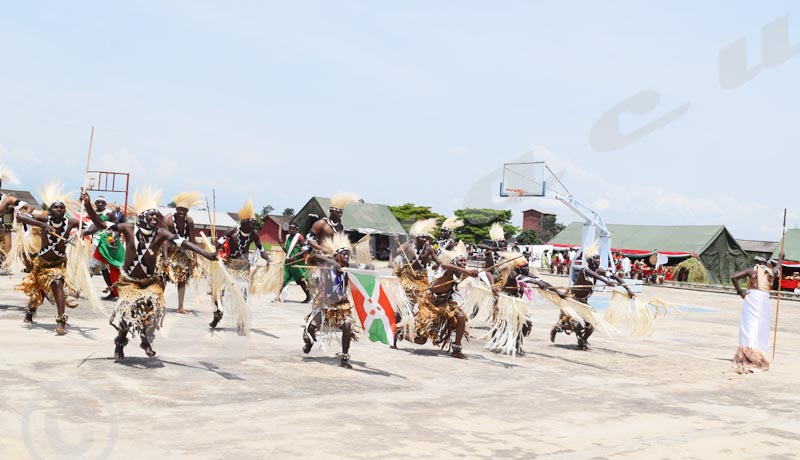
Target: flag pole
780 280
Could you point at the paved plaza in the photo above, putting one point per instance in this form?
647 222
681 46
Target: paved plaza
217 395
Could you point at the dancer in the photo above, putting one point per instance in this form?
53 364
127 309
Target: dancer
140 307
754 325
332 307
292 245
180 262
49 278
446 241
109 254
439 315
235 248
581 290
9 202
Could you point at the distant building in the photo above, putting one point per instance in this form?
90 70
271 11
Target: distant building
532 219
274 228
755 248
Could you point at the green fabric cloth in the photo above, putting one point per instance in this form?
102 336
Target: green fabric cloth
717 249
112 251
361 217
290 273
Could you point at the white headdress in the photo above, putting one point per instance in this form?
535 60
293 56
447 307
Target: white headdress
53 193
337 243
458 252
146 199
7 175
592 250
423 227
496 232
452 223
341 200
188 199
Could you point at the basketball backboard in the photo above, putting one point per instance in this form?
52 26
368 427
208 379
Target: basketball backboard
523 179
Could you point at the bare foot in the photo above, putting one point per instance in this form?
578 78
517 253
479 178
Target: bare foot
60 329
182 311
148 350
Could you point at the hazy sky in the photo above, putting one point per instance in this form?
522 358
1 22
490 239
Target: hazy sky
651 112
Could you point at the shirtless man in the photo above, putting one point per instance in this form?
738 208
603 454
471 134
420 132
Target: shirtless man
235 246
439 315
48 278
581 290
141 286
756 315
180 262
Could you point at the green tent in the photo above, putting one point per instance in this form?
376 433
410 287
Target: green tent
791 249
713 244
363 218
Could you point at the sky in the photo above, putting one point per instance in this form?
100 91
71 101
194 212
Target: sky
660 112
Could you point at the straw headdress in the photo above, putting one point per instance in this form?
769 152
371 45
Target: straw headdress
146 199
337 243
188 199
52 193
496 232
591 251
423 227
247 212
452 223
7 175
451 256
512 259
341 200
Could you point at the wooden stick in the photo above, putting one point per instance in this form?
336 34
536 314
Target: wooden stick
85 181
214 216
780 280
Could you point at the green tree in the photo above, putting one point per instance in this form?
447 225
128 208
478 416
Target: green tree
528 237
550 228
172 204
288 212
409 213
477 222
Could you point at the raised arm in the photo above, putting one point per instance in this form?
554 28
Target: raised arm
87 204
30 220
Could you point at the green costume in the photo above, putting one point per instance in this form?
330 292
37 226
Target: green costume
290 272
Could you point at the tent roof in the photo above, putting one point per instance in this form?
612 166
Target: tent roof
23 195
369 218
668 238
757 246
791 246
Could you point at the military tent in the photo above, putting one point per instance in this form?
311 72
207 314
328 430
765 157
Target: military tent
791 260
358 219
712 244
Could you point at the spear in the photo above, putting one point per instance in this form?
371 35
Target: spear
780 280
85 181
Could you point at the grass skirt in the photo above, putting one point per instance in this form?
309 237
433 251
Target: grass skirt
437 318
179 265
413 281
37 285
141 305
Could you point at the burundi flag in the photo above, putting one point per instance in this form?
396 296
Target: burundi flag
372 305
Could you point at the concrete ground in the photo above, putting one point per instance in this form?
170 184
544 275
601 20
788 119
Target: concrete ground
217 395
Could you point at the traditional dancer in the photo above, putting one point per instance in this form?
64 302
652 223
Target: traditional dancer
412 259
439 315
332 307
9 202
322 229
581 290
235 248
292 246
49 278
180 262
754 325
446 241
140 307
491 274
110 252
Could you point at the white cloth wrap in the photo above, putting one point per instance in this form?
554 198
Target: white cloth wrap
756 315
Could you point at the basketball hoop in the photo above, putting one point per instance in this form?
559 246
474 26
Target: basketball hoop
516 193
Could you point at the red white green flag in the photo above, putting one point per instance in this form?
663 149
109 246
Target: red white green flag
372 305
